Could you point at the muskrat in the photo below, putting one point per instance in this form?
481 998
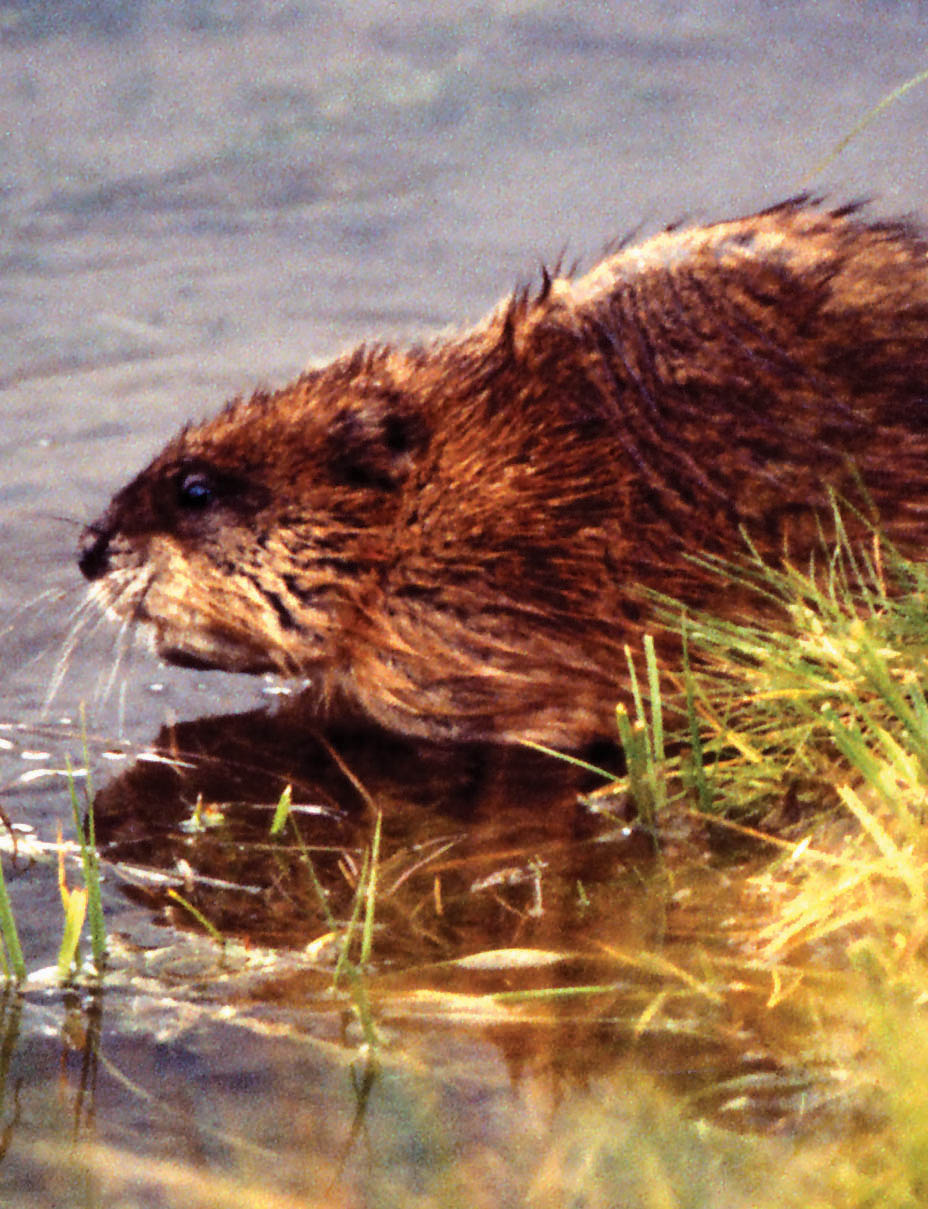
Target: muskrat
457 539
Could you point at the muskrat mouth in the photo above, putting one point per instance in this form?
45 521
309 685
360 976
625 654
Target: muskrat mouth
211 656
181 658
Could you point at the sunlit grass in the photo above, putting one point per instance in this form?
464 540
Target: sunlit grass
827 712
642 740
84 827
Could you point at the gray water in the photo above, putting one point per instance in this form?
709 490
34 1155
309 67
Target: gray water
199 198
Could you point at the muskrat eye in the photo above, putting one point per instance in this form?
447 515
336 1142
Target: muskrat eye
195 490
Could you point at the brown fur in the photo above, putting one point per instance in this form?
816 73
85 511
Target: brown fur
454 539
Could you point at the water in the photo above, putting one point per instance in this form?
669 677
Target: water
199 198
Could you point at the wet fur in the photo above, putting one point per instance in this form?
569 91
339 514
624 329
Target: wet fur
453 539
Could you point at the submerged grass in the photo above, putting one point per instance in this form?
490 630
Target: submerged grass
354 938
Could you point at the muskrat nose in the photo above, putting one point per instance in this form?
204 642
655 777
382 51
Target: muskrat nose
93 552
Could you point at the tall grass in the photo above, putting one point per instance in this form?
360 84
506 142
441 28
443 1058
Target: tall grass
815 726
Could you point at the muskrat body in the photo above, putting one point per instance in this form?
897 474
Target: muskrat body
457 540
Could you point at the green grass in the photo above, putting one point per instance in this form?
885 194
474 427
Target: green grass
354 939
84 828
12 962
829 681
826 711
80 904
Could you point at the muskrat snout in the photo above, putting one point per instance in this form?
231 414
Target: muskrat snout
93 552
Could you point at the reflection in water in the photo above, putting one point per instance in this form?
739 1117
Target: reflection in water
538 970
275 1100
10 1016
453 815
504 904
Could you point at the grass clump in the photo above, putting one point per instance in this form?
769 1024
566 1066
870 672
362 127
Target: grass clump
812 724
643 741
823 682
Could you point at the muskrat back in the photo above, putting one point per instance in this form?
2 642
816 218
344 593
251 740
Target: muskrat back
457 539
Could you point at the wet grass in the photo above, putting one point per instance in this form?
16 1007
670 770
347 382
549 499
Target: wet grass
88 900
815 731
12 962
806 732
81 905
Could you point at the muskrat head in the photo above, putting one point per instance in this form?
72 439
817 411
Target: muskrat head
251 542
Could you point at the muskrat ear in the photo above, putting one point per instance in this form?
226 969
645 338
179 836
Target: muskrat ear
373 442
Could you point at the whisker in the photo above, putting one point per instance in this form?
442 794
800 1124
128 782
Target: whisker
82 616
92 613
123 644
72 522
47 595
121 710
86 604
133 591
